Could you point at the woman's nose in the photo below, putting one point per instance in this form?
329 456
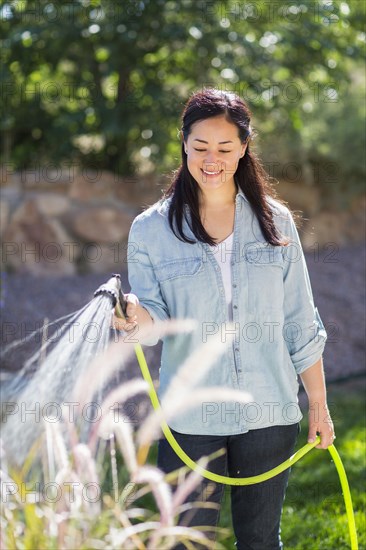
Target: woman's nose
211 156
211 160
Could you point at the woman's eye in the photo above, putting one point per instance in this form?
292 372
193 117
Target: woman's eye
202 150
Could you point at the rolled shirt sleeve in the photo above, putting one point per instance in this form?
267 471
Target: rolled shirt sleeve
304 331
142 279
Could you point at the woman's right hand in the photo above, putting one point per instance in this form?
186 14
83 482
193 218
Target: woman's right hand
130 322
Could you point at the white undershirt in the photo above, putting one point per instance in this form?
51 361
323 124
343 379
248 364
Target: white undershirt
223 252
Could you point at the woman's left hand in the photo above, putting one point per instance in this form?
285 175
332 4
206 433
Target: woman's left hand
320 423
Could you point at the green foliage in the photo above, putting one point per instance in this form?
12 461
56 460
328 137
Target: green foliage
328 151
337 156
101 83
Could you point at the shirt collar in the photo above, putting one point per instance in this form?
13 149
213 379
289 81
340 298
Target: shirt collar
242 195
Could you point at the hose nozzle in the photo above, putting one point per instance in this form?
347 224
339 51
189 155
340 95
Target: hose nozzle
113 289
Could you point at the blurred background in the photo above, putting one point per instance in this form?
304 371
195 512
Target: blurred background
92 93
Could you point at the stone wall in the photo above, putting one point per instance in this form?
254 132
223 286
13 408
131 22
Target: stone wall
57 224
54 224
319 227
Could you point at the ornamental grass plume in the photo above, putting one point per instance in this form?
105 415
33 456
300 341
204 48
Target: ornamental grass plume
117 355
124 437
74 456
109 408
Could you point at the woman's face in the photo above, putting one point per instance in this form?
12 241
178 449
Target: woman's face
213 152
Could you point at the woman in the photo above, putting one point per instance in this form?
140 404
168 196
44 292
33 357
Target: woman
219 248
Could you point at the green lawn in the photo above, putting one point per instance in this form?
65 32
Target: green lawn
314 516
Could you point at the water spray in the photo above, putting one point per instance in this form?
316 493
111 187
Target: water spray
113 289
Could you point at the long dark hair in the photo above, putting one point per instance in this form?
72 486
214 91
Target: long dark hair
250 176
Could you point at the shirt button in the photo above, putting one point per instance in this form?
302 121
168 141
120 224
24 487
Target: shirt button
235 307
234 286
236 349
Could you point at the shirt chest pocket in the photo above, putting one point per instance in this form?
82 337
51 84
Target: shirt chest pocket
265 278
180 269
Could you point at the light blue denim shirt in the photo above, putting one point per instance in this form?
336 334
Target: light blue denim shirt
278 331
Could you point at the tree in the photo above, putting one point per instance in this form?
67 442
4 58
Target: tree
102 83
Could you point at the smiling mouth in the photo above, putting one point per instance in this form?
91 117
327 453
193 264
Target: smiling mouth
211 173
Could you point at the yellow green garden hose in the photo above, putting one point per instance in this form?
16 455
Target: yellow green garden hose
254 479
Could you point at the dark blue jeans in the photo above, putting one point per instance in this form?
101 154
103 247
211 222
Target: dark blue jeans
256 509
